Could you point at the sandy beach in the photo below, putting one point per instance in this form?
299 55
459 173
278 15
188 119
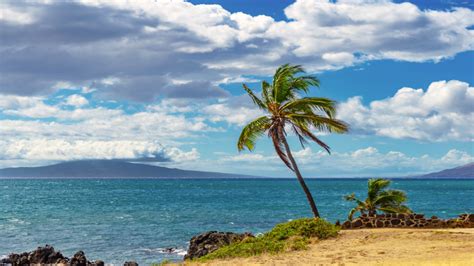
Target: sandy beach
377 247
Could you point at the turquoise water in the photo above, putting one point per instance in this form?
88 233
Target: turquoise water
117 220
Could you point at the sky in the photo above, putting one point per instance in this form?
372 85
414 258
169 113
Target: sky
160 81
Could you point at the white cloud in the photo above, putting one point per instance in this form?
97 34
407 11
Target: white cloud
36 150
207 44
445 111
15 102
12 15
238 115
378 29
76 100
50 133
363 162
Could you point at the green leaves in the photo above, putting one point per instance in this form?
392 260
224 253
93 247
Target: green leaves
282 102
308 105
286 83
254 98
252 132
389 201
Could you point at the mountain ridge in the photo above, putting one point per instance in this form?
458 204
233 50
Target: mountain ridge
108 169
125 169
463 171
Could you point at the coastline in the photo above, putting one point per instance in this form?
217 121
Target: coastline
384 246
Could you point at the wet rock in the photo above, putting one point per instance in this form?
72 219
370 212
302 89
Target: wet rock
45 255
346 225
79 259
357 223
470 217
130 263
208 242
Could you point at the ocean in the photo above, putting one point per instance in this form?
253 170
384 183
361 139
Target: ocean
122 219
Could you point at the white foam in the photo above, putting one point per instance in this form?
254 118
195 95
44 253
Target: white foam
177 251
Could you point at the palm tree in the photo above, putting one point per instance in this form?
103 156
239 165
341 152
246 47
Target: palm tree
388 201
285 109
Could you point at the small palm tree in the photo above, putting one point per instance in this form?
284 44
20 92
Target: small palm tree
285 109
388 201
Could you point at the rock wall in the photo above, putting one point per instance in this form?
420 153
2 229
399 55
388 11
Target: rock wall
398 220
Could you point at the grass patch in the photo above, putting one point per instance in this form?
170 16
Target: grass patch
294 235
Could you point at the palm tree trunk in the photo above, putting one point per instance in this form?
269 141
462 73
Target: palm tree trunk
300 177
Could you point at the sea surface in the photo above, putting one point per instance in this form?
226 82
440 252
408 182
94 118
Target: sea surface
121 219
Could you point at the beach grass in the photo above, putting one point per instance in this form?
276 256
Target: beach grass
293 235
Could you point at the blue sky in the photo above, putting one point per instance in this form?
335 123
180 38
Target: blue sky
161 81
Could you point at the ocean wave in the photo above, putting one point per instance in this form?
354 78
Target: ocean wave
168 250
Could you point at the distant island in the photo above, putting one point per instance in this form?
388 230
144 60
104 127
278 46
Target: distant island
124 169
109 169
464 171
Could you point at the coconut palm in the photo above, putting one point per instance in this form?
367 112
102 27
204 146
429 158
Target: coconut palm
388 201
285 109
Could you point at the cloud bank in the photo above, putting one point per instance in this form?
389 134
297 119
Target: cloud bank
141 50
445 111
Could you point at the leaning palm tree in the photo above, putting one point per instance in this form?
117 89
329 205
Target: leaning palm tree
388 201
285 109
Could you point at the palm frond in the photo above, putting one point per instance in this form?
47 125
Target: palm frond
390 197
254 98
375 185
282 81
321 123
303 131
252 131
308 104
396 209
352 197
353 211
266 92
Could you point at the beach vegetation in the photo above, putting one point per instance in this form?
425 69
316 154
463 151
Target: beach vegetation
379 198
293 235
286 110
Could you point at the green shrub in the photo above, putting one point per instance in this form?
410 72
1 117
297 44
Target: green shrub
294 235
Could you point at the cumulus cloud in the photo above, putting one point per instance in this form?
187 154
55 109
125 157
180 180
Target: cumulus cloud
363 162
38 130
76 100
47 150
147 45
445 111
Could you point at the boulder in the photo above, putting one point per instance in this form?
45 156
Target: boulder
45 255
41 255
208 242
470 217
79 259
130 263
346 225
357 223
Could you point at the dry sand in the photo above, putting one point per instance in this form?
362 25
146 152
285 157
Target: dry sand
377 247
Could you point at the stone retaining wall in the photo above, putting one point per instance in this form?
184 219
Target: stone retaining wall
395 220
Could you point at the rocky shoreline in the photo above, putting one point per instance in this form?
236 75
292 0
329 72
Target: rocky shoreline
47 255
205 243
